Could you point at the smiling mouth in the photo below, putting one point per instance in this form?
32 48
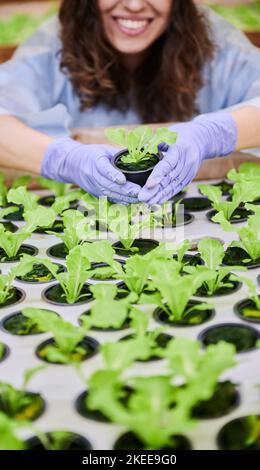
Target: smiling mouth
132 26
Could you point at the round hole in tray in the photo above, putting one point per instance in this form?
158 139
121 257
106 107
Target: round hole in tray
40 274
17 324
18 295
195 318
188 219
24 249
224 400
143 245
88 344
59 251
6 351
235 256
243 337
71 440
104 265
29 411
246 310
202 291
129 441
162 341
9 226
240 215
196 204
53 295
238 434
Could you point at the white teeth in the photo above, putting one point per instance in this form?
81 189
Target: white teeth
132 24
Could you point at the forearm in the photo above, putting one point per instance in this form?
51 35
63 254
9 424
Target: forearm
248 124
21 148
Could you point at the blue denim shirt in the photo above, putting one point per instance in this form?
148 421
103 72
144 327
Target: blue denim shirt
33 88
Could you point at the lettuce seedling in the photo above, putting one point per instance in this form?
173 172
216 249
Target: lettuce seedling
102 252
252 294
212 252
58 189
12 400
127 232
106 312
67 336
8 432
6 280
136 273
243 192
141 142
167 213
38 217
249 235
249 171
20 181
188 363
62 203
21 196
73 280
75 229
175 290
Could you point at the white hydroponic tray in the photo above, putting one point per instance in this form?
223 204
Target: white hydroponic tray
60 386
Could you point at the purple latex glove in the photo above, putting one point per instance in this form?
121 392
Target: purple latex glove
207 136
89 167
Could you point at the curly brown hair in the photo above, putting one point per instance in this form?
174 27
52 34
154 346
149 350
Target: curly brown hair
163 88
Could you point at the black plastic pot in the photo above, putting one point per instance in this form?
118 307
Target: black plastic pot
247 305
6 352
195 318
243 337
54 295
57 227
240 215
29 412
144 245
73 442
17 297
104 265
196 204
19 325
39 275
125 325
234 256
59 251
15 216
129 441
24 249
10 227
224 400
136 173
162 341
238 433
90 346
202 291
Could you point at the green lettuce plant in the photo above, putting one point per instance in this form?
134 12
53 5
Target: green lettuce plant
243 192
141 142
58 189
20 181
21 196
72 280
6 280
252 295
38 217
9 434
106 311
75 229
249 235
212 253
174 290
247 171
67 337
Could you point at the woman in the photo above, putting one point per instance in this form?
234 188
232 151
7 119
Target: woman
118 62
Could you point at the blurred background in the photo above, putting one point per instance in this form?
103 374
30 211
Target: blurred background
19 18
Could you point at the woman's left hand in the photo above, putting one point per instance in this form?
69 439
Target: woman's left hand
207 136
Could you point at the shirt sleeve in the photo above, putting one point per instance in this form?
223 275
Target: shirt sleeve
232 78
32 85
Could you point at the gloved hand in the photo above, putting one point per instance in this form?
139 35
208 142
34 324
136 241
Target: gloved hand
89 167
207 136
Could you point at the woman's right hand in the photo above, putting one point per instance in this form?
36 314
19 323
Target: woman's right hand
88 166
